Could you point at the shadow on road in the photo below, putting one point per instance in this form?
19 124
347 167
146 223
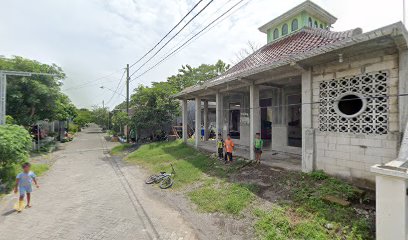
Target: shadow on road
8 212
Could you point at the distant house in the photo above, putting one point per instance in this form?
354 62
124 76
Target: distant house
330 96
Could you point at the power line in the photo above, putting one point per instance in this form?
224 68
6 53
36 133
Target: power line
200 35
168 41
185 43
161 40
209 29
192 32
91 81
117 87
88 85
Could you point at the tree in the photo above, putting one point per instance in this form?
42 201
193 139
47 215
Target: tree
189 76
119 120
84 116
100 116
64 109
36 97
246 51
154 107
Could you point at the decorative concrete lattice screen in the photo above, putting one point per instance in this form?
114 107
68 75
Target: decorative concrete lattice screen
370 88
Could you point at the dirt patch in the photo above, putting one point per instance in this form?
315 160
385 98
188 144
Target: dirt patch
273 183
277 185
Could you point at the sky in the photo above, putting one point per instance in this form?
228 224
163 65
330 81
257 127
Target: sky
93 40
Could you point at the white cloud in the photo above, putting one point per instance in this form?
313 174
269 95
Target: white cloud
93 38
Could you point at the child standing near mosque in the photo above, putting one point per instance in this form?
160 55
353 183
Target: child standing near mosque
229 147
220 146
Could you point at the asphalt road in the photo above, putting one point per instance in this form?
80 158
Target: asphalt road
89 195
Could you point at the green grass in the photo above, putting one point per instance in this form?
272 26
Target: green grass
308 214
189 164
192 166
39 168
222 197
9 174
157 157
309 193
120 148
284 222
303 217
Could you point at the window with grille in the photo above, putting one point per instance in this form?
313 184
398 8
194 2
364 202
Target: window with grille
357 104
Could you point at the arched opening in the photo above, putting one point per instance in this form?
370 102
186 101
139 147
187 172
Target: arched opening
310 22
276 34
295 25
284 29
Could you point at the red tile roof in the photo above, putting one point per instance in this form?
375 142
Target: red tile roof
304 44
297 43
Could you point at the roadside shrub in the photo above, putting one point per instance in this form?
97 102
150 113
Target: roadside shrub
112 133
14 144
14 147
73 127
10 120
7 178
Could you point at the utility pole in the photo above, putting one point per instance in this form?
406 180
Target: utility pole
103 109
127 100
3 88
404 12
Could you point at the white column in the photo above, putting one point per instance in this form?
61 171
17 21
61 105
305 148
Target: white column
206 133
219 108
197 121
391 207
391 196
3 87
308 139
184 119
255 119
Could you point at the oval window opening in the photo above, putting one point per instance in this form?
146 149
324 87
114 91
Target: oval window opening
350 105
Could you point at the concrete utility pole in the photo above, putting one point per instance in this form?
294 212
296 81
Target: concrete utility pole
127 100
404 12
103 108
3 88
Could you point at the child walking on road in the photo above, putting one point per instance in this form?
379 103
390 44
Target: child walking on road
23 185
258 144
220 146
229 146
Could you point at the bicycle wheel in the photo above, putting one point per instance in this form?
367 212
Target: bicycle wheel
166 182
151 179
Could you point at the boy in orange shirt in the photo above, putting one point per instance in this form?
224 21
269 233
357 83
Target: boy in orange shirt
229 146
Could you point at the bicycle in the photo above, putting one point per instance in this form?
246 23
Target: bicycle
165 179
